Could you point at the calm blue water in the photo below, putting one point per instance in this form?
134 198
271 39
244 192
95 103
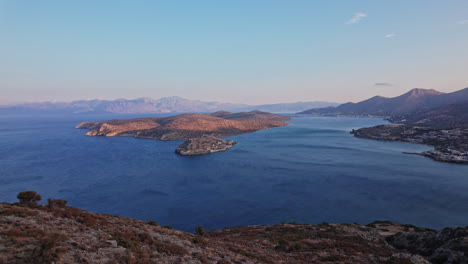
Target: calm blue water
309 172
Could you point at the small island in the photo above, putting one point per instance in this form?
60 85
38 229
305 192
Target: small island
202 132
204 145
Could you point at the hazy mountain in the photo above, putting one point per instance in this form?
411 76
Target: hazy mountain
141 105
412 102
148 105
290 107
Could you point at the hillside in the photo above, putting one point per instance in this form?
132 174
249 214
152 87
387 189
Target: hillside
412 102
56 233
185 126
148 105
449 116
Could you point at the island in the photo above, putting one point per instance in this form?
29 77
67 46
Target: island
202 132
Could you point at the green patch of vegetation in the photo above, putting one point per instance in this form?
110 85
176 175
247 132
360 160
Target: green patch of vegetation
152 222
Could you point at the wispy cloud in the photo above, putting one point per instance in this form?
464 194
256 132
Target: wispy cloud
463 22
383 84
390 35
356 18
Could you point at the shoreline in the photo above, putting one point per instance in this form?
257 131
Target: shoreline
449 145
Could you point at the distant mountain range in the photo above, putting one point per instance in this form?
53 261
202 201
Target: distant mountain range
426 107
414 101
148 105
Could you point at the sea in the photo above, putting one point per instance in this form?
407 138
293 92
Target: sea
312 171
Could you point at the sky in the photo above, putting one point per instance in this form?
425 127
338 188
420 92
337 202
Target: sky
243 51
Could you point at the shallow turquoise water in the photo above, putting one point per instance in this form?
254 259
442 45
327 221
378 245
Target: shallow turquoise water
309 172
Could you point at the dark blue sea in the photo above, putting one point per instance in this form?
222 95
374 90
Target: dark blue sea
311 171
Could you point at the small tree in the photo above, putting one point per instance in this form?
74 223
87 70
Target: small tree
200 230
28 197
152 222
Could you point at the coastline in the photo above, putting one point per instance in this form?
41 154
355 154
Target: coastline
449 145
443 150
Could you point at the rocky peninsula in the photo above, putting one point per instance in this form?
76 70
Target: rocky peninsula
201 130
58 233
450 145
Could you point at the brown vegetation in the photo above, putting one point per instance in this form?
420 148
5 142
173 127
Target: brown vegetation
28 197
185 126
57 233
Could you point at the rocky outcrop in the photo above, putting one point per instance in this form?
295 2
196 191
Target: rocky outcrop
449 245
205 144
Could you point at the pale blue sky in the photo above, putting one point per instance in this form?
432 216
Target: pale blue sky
251 51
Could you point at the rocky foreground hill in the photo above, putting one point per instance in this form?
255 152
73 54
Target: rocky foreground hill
57 233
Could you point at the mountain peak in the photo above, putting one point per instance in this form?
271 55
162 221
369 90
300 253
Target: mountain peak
145 99
414 101
417 92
